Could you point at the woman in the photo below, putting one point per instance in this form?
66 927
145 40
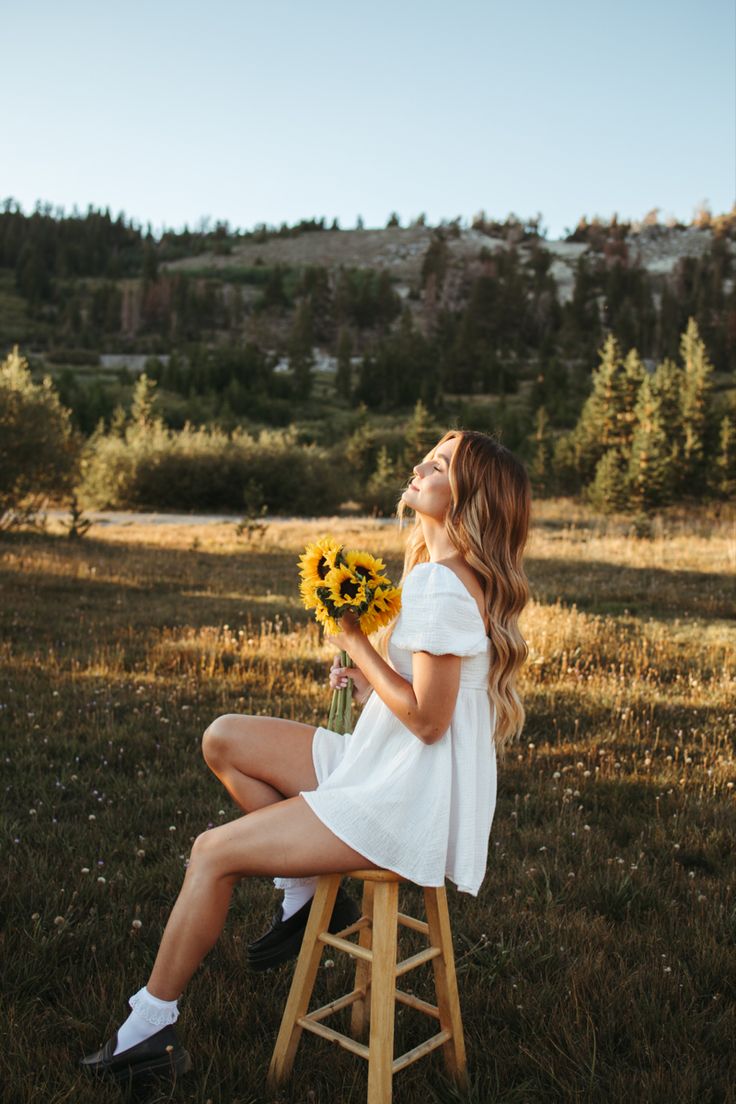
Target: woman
412 788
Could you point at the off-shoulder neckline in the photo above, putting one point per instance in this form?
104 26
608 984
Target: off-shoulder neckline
456 577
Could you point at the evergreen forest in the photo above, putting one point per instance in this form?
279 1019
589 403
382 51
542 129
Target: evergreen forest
606 360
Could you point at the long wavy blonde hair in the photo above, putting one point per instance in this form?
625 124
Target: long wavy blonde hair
488 523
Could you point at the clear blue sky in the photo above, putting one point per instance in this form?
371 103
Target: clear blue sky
275 110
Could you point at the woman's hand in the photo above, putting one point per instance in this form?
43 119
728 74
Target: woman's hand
350 629
339 677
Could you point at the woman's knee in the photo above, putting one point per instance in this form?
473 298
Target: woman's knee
217 741
204 847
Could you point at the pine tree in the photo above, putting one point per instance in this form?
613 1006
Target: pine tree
609 491
141 410
540 468
420 435
650 471
725 466
605 419
634 375
695 404
383 490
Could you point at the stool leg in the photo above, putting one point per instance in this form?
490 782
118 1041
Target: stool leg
303 981
383 987
361 1010
445 979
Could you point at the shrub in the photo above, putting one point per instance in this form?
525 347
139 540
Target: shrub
39 449
204 468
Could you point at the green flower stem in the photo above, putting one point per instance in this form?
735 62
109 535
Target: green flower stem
341 707
347 713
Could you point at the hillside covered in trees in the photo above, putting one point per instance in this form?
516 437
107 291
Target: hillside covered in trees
579 353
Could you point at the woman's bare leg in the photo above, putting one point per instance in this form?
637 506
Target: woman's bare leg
285 838
260 760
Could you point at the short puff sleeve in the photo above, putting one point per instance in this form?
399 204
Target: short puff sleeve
438 614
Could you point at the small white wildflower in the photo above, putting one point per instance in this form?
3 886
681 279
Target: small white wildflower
59 921
85 870
137 924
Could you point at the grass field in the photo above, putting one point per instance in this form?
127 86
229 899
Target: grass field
598 962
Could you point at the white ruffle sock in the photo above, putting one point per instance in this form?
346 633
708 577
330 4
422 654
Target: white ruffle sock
297 891
149 1015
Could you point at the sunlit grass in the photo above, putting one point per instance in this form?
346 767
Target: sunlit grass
597 963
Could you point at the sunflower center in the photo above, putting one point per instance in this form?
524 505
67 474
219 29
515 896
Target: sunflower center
348 589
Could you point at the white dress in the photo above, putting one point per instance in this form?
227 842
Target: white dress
422 810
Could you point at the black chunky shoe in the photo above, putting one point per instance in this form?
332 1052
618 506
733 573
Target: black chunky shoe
159 1054
283 939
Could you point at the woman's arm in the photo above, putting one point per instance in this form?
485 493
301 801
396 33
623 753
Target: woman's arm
425 706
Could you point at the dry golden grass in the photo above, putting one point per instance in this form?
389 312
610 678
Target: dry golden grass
597 963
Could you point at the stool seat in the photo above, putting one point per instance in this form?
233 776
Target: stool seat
374 875
375 993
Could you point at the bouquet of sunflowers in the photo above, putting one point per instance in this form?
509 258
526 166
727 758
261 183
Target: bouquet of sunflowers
333 580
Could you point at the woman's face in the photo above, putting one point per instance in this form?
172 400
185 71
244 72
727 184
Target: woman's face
429 491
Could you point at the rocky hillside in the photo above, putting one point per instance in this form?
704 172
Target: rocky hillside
401 251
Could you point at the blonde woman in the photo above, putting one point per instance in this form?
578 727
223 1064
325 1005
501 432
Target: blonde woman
412 788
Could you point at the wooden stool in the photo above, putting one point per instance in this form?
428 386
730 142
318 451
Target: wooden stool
375 992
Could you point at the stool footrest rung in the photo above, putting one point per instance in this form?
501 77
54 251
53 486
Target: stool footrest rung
364 922
419 1051
353 949
334 1036
418 1003
413 961
336 1005
412 922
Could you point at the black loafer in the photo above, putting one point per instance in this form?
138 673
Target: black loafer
161 1053
283 939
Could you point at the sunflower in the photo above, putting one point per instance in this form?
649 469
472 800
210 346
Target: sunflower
367 567
346 588
385 605
317 560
